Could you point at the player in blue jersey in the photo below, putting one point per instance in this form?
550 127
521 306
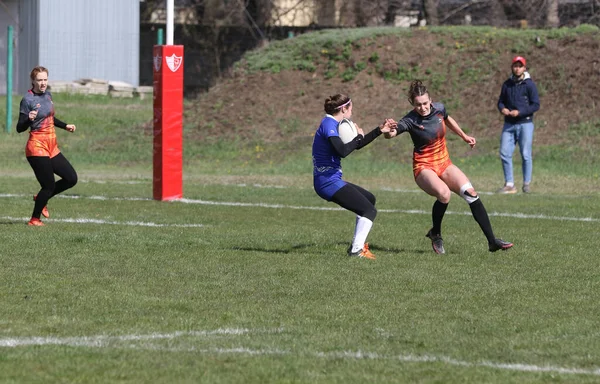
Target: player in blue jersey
43 155
327 151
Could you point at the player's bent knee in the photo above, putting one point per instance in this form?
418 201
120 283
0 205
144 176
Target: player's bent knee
444 197
370 214
468 193
72 180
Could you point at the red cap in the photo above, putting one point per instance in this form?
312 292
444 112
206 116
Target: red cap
519 58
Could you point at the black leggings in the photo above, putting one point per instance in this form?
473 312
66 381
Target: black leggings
356 199
44 169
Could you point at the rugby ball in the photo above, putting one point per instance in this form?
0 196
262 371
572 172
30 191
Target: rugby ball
347 130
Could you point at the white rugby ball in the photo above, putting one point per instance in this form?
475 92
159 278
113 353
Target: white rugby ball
347 130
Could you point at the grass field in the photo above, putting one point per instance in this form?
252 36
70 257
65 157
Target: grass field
248 282
246 279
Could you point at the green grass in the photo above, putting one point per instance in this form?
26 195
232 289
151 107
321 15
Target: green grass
276 268
248 282
342 47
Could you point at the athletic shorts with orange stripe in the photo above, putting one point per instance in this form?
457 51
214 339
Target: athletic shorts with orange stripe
428 134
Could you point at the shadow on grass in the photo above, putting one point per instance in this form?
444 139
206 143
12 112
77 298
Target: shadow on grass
375 248
292 249
299 247
13 222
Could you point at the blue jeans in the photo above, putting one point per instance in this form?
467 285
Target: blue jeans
513 134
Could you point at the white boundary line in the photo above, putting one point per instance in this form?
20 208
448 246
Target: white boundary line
108 222
516 215
104 341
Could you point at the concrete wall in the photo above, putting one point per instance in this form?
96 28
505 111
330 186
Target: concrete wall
90 39
9 15
72 38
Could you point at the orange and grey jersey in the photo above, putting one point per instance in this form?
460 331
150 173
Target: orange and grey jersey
42 103
42 135
428 134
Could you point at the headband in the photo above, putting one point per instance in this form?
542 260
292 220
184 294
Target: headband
343 105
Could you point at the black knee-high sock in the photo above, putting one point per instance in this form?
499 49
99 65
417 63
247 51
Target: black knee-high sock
437 214
481 217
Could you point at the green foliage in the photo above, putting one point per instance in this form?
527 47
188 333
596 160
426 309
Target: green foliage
559 33
349 74
374 58
290 126
289 54
360 66
330 74
347 52
322 51
306 65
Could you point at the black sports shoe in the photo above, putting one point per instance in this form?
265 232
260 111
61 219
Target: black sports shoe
500 244
437 243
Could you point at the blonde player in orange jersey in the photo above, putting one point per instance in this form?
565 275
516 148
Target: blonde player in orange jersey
37 115
433 170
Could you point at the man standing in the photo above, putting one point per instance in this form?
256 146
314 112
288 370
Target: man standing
518 102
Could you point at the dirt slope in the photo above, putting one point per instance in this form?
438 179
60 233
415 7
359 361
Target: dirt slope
277 107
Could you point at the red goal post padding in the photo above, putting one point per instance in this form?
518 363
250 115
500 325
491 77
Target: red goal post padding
167 183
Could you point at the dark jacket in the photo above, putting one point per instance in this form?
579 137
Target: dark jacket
521 95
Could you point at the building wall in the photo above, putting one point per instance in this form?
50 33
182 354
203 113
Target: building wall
294 13
8 16
80 39
27 39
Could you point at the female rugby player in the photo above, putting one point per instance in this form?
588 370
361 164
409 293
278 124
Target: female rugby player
327 151
433 171
37 115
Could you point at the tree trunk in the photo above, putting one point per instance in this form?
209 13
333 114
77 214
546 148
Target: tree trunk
390 12
498 15
431 13
361 18
326 13
552 19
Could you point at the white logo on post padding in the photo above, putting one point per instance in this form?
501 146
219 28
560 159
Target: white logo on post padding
173 62
157 60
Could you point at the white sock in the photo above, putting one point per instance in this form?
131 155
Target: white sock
511 184
363 227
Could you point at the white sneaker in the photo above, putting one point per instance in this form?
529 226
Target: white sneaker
507 190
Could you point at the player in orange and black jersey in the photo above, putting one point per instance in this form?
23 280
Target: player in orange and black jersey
433 170
37 115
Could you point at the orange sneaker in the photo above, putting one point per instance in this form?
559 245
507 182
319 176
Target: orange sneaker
45 212
365 252
35 222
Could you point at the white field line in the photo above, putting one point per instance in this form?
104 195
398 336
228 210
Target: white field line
104 341
515 215
108 222
149 182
